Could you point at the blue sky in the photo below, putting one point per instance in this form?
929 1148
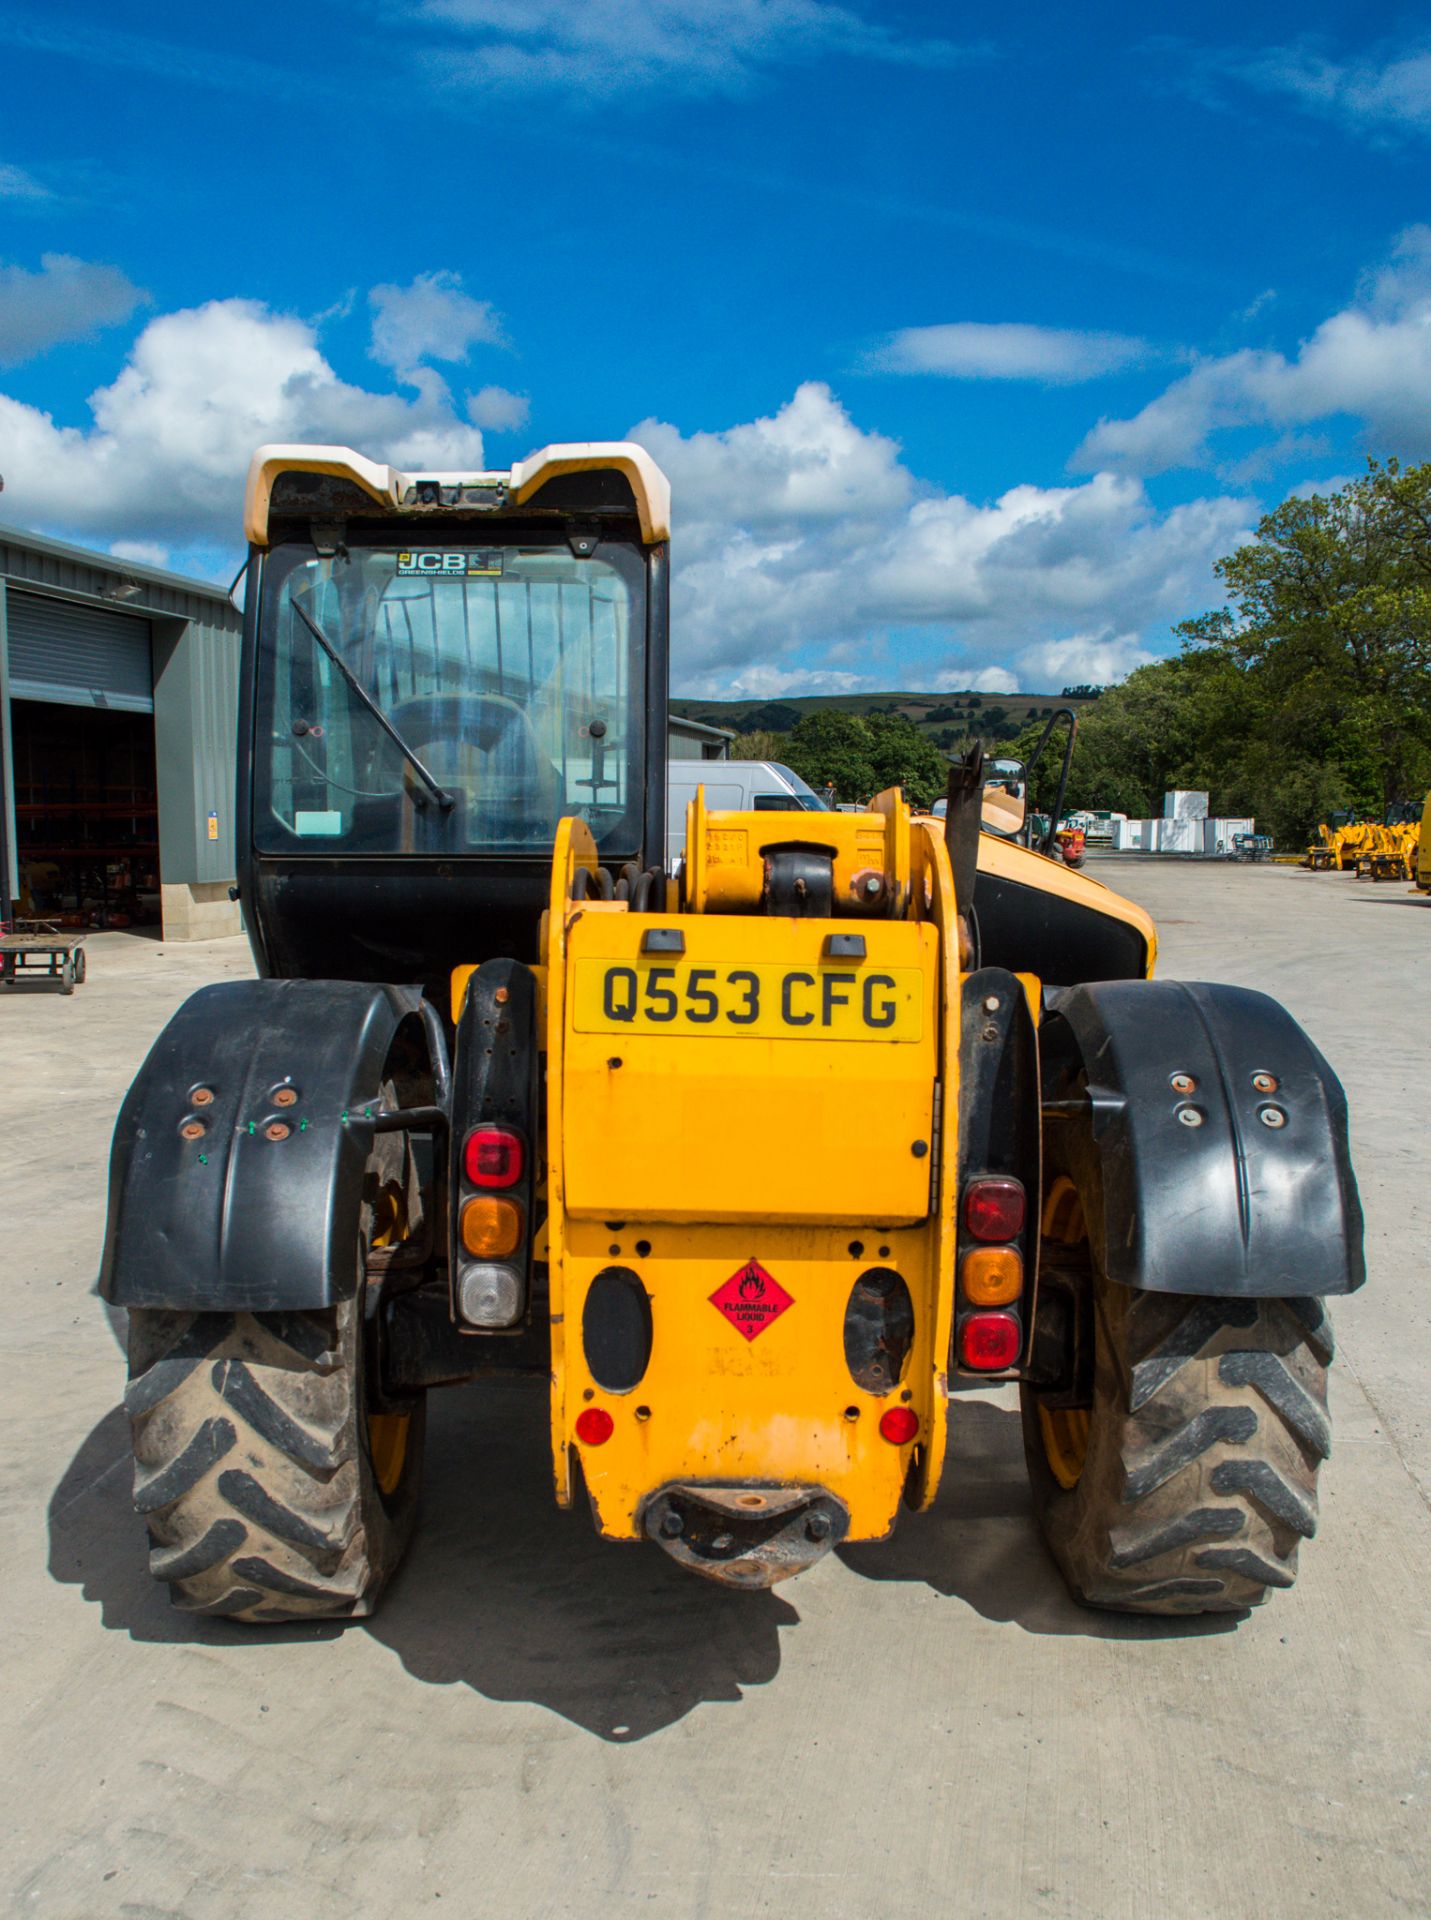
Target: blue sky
969 337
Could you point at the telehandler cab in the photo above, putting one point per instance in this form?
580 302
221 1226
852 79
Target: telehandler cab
750 1164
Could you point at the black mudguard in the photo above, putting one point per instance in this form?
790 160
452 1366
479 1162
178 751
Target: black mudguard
1199 1194
231 1218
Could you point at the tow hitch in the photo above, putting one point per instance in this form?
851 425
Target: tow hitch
747 1536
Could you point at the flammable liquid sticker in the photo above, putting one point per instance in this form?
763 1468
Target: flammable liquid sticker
751 1299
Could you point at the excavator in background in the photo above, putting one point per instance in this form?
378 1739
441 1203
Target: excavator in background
1384 849
746 1168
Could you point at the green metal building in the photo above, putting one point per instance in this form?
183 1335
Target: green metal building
118 719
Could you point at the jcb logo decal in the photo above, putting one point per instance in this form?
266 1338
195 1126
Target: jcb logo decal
446 560
432 563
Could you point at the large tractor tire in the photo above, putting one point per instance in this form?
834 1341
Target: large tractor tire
271 1488
1187 1479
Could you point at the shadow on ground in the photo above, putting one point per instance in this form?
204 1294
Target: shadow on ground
979 1543
502 1591
505 1594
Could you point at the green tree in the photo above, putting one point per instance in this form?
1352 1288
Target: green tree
860 755
1330 616
760 745
1309 692
905 757
833 748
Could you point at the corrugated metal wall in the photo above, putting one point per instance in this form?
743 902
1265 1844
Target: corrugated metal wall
195 665
78 655
195 730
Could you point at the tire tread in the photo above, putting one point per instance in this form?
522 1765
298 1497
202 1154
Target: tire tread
250 1468
1210 1423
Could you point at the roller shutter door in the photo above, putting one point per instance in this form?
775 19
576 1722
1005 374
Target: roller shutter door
78 656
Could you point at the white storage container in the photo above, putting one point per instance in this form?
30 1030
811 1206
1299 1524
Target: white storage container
1219 835
1185 803
1180 835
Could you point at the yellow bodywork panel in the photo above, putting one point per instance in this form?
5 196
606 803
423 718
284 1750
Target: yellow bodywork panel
728 1082
748 1174
725 854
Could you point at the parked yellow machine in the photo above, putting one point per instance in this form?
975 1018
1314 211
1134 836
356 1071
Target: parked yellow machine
1334 834
1371 849
1390 846
750 1163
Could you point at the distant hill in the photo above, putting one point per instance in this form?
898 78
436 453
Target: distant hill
947 717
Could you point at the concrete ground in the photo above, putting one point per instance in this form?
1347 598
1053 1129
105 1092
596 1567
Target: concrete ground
536 1724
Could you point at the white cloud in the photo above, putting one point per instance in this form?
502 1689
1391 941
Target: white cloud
1371 361
768 683
800 532
1082 660
1254 307
603 47
498 410
973 350
144 553
17 185
809 463
67 299
1377 93
807 553
989 680
431 319
165 455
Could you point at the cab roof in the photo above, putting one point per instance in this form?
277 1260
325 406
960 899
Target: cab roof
429 490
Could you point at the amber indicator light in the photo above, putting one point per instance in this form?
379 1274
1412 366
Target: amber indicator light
491 1226
992 1276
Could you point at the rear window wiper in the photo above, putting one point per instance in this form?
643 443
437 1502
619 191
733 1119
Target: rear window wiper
444 799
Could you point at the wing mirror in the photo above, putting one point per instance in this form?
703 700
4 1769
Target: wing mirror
1004 801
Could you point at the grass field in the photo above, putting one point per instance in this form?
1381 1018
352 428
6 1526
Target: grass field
997 716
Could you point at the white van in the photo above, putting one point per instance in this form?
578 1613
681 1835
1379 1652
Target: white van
739 786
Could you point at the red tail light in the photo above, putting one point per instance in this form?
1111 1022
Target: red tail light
899 1425
493 1157
989 1342
594 1426
994 1209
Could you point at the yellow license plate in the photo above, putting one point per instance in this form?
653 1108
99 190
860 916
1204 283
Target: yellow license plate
775 1002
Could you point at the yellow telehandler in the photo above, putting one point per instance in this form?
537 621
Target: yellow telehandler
750 1164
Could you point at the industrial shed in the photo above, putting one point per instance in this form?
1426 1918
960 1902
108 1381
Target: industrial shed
694 740
118 716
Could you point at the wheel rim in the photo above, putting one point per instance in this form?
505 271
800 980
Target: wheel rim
388 1432
1065 1431
387 1448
